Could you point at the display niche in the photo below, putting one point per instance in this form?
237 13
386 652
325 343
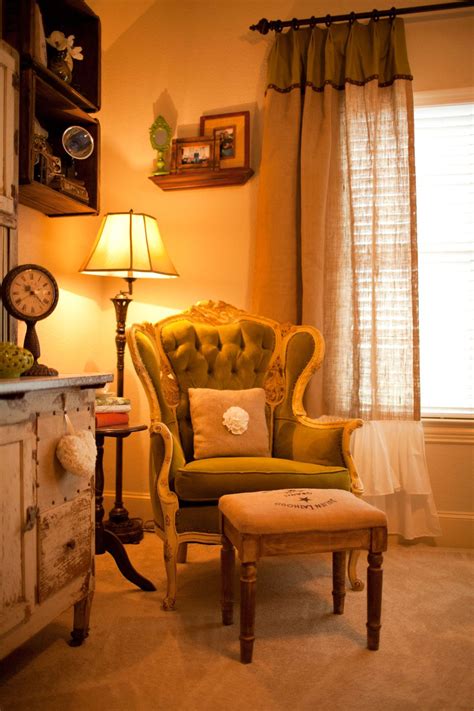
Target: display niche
59 46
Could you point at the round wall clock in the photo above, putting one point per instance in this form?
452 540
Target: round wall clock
30 293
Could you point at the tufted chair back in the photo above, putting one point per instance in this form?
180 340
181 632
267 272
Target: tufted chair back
228 356
215 345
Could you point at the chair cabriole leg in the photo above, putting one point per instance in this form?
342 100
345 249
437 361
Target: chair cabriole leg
182 553
170 552
356 583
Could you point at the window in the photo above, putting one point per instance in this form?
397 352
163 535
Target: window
444 154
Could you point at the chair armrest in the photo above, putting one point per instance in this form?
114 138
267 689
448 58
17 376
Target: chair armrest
347 427
307 440
165 458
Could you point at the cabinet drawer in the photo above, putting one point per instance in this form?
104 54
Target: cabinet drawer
64 545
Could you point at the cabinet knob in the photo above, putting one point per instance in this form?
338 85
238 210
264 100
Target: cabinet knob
71 544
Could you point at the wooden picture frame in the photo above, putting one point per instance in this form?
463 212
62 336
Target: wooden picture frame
234 127
193 154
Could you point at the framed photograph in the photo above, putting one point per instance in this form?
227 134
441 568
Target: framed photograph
232 136
197 153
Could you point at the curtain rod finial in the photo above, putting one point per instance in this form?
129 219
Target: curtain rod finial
262 26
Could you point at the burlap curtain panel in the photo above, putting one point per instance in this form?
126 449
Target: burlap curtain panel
336 240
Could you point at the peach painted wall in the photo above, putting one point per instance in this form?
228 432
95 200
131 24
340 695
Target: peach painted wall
183 58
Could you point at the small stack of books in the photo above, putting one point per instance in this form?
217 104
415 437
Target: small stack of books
111 409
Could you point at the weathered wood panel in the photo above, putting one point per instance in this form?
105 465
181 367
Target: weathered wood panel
64 540
17 564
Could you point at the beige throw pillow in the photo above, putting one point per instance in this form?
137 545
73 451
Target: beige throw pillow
229 423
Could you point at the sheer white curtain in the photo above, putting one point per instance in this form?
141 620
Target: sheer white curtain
390 455
336 242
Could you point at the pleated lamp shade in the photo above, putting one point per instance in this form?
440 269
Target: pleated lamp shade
129 246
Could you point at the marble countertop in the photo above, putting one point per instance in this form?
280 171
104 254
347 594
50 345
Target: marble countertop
15 386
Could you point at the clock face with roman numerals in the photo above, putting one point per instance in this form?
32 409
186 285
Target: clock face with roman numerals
29 292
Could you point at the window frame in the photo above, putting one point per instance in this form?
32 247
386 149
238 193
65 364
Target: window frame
438 97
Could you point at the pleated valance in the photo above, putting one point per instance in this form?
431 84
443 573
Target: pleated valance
342 53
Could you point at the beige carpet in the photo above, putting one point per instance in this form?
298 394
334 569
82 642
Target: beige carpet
139 658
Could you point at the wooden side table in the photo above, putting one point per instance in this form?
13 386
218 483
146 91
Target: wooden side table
105 539
128 530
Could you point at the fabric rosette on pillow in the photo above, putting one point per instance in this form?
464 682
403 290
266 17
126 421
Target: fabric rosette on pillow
236 420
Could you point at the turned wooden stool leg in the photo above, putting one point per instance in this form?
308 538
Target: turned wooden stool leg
338 581
227 580
248 584
374 599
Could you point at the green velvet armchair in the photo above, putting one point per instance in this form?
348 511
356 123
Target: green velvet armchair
214 345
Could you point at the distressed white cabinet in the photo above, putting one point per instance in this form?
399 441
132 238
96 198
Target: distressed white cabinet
46 513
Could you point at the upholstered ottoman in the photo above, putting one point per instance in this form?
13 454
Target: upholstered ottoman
291 521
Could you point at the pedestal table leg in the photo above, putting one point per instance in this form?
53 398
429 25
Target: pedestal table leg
106 541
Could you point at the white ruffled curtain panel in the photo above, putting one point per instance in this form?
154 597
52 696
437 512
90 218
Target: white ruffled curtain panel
390 456
336 239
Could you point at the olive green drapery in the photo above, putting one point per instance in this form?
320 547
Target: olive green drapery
336 237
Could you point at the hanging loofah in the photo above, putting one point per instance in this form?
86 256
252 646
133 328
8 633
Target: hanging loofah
77 451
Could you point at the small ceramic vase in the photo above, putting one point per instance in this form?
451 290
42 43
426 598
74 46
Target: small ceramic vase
57 63
14 360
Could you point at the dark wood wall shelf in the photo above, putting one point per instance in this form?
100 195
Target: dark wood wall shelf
55 104
191 179
68 91
52 202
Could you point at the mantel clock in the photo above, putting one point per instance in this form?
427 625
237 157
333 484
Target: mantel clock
30 293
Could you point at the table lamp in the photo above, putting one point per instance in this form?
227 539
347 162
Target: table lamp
128 245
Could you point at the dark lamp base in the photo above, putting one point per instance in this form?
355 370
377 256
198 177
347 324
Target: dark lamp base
129 531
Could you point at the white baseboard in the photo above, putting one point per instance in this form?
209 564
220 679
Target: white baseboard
457 529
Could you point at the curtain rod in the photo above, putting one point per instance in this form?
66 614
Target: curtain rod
264 25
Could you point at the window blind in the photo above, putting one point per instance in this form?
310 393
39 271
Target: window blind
444 155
